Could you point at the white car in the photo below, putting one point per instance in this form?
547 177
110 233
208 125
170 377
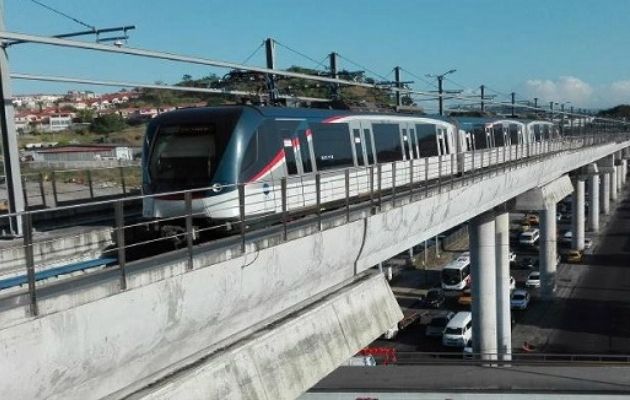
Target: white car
512 283
519 299
533 279
529 238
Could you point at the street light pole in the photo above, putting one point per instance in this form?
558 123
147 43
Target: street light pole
483 92
440 91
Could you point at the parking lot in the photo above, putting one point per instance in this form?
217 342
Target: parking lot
588 314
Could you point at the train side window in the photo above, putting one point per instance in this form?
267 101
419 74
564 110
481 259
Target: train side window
251 153
479 138
332 146
387 142
289 154
497 131
307 165
427 140
369 143
514 134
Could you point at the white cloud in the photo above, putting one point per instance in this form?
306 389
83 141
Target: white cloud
565 88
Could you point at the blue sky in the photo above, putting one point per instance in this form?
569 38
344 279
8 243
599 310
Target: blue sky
557 50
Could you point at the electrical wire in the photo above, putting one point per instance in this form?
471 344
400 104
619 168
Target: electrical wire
426 81
363 67
253 53
49 8
318 63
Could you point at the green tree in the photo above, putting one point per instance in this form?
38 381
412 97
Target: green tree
85 115
108 123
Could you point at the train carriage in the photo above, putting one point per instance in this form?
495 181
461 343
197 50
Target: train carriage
218 148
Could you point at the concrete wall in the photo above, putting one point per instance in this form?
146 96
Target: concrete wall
93 341
285 360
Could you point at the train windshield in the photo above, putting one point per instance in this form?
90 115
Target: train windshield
183 156
451 276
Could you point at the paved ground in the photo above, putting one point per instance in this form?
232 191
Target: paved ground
590 313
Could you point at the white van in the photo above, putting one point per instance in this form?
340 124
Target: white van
458 331
529 238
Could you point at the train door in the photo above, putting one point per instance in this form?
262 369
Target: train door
306 154
293 165
363 149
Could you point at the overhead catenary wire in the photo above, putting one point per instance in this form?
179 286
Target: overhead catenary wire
253 53
58 12
299 53
230 65
363 67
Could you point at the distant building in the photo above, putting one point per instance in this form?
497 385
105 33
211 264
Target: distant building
59 122
83 153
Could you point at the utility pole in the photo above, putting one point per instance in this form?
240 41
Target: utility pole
9 140
399 86
513 99
270 52
535 102
440 78
483 92
334 74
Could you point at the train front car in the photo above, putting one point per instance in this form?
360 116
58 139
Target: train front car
282 158
199 150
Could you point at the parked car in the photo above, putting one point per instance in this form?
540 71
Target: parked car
435 298
458 331
529 238
573 256
533 279
531 219
360 361
438 323
588 243
519 299
465 299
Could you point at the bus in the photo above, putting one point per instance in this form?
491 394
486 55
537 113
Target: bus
456 274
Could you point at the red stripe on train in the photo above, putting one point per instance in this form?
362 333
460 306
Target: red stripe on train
277 159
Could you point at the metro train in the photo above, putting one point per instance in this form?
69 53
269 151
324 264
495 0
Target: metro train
218 147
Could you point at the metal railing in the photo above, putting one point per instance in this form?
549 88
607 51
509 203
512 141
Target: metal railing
286 209
54 187
515 359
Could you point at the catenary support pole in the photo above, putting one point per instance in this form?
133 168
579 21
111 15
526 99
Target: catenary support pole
484 299
9 140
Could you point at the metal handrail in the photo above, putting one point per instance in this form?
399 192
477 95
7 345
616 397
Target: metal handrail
383 187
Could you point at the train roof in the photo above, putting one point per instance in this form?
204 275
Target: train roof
486 120
286 112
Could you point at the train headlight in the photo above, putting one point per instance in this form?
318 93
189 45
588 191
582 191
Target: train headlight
217 187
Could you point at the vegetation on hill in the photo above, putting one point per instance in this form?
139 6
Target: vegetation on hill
621 111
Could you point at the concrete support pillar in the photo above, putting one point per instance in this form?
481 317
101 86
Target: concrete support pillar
613 184
484 299
593 210
504 326
619 177
624 171
548 251
578 215
605 193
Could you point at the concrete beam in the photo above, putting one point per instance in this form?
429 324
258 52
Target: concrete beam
541 197
91 339
284 360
